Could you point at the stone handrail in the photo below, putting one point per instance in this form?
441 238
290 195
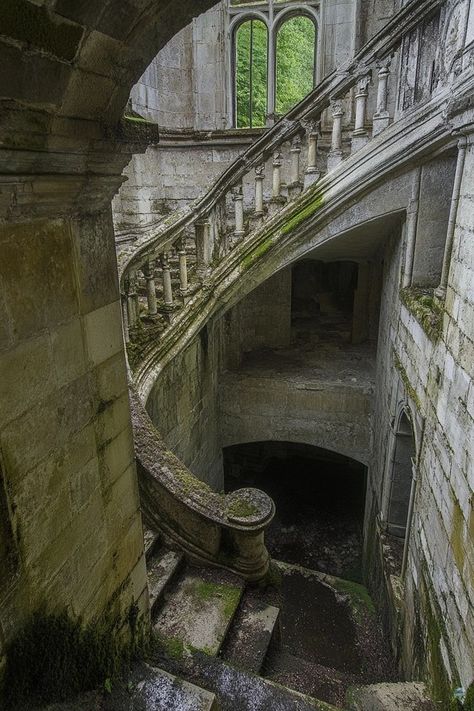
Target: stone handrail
227 530
217 529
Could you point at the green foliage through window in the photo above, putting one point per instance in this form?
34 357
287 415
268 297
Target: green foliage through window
251 74
295 62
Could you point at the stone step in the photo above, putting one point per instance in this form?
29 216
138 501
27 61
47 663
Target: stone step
163 567
255 626
199 611
239 689
399 696
152 689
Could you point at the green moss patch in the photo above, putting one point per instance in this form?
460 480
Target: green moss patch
258 251
241 508
308 211
360 599
422 304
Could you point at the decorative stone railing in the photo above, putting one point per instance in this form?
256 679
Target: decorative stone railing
217 529
189 252
204 234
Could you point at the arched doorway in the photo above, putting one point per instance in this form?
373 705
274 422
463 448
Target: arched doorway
319 497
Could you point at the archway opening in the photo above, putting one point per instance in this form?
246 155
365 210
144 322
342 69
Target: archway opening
251 62
295 61
319 497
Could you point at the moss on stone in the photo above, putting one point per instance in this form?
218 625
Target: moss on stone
241 508
360 599
422 304
257 252
316 204
228 593
410 390
172 647
55 657
469 700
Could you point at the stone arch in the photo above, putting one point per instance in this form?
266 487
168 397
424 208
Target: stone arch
403 462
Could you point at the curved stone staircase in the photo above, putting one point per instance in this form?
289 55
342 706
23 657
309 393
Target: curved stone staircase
198 262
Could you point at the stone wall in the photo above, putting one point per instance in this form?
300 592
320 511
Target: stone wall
183 405
69 499
432 379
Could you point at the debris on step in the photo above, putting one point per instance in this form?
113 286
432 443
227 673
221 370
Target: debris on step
239 690
151 540
254 627
163 568
400 696
199 610
152 689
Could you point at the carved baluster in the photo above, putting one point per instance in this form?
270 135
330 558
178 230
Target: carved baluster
238 198
277 199
132 298
203 247
295 186
360 135
149 273
126 328
312 173
381 118
183 265
259 178
167 289
335 154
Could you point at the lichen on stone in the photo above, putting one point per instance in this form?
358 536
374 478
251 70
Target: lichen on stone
422 304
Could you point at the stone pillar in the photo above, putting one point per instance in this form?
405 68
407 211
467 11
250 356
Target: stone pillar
410 229
183 266
381 118
149 273
312 173
125 326
238 198
131 292
277 199
441 289
295 186
167 289
259 178
335 154
360 135
203 247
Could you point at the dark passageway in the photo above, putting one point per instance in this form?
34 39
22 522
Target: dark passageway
319 497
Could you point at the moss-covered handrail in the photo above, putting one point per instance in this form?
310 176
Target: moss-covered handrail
225 530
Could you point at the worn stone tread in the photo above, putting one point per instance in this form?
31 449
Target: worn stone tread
162 570
252 631
400 696
199 611
153 689
151 540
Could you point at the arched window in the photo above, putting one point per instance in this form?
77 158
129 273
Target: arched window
295 61
251 62
401 479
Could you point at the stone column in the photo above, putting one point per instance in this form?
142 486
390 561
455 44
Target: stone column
126 330
410 228
295 186
360 135
381 118
183 265
238 198
312 174
335 154
448 248
203 247
277 199
149 273
131 292
167 289
259 178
